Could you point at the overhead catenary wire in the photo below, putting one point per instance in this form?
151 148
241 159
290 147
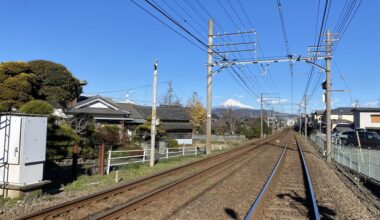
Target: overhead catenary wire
348 12
287 48
192 35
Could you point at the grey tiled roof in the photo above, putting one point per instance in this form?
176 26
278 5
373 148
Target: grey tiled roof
131 109
166 113
342 110
362 109
107 111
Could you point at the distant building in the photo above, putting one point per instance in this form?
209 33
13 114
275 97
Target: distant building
342 114
367 118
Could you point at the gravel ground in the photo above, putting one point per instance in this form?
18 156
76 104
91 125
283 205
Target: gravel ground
335 200
228 192
287 197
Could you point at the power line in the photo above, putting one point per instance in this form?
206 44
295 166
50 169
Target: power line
168 26
192 35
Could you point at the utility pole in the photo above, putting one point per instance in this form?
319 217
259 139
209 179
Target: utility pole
328 96
261 117
209 85
153 126
305 117
300 122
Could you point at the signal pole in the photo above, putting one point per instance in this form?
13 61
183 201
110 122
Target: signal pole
328 95
153 125
209 85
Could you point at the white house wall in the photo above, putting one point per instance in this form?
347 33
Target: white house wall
344 117
365 120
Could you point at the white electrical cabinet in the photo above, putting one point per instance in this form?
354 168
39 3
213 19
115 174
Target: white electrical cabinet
22 149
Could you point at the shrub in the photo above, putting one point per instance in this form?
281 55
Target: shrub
172 143
108 134
37 107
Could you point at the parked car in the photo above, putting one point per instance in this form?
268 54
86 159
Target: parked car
367 139
339 135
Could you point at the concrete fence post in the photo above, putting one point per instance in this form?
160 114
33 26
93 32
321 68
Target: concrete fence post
369 163
144 155
183 150
167 153
195 151
358 161
350 157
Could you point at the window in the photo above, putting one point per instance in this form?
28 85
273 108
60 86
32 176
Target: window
375 118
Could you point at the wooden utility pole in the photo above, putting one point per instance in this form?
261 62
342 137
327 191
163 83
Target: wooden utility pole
75 161
261 116
328 96
154 119
209 85
305 117
101 159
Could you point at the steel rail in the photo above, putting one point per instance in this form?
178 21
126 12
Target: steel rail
309 184
82 201
118 211
263 190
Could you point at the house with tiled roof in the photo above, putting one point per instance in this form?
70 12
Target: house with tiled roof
173 119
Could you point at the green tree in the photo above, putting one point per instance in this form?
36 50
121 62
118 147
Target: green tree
197 113
142 132
58 85
21 82
60 139
37 107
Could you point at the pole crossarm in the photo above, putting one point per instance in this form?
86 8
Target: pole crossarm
233 44
229 34
272 60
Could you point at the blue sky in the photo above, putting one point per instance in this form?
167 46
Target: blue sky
112 45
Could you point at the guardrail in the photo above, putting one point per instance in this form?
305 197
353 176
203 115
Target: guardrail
119 158
364 161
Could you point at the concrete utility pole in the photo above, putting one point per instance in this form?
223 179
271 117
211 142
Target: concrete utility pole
153 125
261 116
209 85
305 117
328 96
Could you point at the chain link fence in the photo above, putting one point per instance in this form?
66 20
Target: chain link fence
364 161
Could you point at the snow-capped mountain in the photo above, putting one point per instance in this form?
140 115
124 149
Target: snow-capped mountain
232 103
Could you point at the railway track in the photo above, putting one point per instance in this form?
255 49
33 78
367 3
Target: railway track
95 205
288 192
